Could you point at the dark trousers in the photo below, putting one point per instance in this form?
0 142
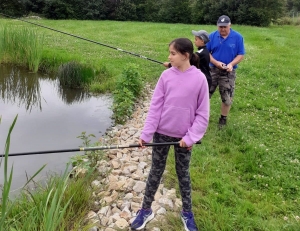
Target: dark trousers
159 159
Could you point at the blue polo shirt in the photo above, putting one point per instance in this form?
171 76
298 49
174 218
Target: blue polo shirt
225 50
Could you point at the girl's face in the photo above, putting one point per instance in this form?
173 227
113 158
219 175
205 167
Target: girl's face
198 42
176 58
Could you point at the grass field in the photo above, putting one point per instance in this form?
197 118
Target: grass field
246 176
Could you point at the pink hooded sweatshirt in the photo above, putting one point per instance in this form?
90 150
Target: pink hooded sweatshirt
179 106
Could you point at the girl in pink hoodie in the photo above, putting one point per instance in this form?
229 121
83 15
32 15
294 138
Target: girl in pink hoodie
179 112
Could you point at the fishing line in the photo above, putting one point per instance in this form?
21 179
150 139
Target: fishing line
76 36
93 148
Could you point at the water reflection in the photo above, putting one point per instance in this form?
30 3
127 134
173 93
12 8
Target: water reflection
70 96
49 118
21 90
24 89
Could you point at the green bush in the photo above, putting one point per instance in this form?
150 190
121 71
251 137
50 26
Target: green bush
122 105
130 79
128 88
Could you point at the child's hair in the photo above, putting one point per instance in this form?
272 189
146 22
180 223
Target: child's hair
183 46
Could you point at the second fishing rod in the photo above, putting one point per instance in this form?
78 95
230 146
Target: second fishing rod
79 37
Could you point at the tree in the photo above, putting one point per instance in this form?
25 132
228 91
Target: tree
94 9
125 11
175 11
292 6
14 8
151 10
259 12
111 6
57 9
64 9
35 6
246 12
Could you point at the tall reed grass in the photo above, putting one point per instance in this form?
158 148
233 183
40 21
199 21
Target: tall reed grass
21 45
75 75
51 206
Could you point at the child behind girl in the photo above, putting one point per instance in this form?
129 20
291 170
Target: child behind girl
179 112
201 38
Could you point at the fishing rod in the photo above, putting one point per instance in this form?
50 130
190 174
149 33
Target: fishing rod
94 148
76 36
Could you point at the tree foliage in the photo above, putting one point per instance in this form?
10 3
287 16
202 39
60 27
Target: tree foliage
126 11
292 6
246 12
12 7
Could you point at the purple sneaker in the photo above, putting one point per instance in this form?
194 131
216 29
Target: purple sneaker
143 216
188 221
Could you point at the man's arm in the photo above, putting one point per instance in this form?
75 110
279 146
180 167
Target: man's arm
215 62
235 61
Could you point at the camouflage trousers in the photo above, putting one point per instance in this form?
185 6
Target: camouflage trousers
159 158
226 82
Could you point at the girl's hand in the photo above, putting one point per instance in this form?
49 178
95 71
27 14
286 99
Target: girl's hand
141 143
166 64
183 145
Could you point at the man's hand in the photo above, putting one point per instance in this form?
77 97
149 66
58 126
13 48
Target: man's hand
229 67
221 66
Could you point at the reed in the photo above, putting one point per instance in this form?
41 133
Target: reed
21 45
75 75
49 206
6 206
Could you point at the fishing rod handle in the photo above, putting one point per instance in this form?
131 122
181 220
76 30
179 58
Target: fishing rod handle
159 144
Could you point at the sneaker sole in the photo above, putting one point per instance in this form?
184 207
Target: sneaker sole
185 227
145 222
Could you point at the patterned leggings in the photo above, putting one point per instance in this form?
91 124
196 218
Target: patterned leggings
159 158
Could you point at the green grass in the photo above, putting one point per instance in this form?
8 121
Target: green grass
21 45
246 176
61 203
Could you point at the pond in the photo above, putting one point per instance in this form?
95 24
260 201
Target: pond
50 117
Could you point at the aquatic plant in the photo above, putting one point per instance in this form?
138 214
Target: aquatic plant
75 75
21 45
60 203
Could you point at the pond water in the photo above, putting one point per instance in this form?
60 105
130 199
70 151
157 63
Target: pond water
49 118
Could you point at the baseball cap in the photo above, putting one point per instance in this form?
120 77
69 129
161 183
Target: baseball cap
223 20
202 34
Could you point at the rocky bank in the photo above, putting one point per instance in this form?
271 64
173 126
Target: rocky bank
122 179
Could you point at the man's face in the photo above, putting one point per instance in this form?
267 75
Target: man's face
224 30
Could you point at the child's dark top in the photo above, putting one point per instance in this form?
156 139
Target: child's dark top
203 54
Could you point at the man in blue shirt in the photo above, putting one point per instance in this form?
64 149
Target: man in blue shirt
226 49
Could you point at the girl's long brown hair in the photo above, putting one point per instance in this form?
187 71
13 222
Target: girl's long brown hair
183 46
